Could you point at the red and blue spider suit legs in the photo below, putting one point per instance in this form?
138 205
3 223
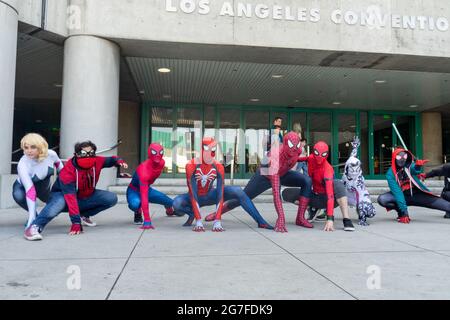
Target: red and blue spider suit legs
200 175
277 173
234 193
139 192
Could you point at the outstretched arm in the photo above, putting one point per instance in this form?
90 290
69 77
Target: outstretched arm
220 190
439 172
193 191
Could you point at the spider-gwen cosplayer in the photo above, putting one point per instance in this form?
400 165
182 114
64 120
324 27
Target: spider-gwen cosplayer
35 169
406 188
200 175
443 171
357 193
75 191
139 192
281 159
325 189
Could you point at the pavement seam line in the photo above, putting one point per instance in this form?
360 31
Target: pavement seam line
125 265
297 258
407 243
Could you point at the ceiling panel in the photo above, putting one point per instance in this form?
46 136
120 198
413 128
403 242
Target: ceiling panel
236 83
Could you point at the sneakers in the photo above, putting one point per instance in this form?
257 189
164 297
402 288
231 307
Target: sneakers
86 221
32 233
312 214
348 225
138 218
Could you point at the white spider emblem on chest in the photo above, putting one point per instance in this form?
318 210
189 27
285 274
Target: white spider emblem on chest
205 178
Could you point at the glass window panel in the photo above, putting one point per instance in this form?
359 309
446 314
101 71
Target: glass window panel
229 128
161 132
255 132
364 148
188 139
382 134
346 132
320 130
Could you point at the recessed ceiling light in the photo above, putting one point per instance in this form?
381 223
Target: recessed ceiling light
164 70
167 96
255 100
337 103
142 92
414 106
58 85
277 76
380 81
296 100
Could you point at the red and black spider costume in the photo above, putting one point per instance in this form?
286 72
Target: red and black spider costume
277 173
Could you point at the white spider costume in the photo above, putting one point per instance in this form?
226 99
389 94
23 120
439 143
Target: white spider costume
357 193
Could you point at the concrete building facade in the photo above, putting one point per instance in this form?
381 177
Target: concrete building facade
173 70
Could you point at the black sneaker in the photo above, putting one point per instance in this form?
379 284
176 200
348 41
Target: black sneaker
312 213
138 218
348 225
447 215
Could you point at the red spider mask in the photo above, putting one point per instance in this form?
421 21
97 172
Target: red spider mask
155 153
321 152
209 148
292 144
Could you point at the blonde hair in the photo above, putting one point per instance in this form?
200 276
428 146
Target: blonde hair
297 128
34 139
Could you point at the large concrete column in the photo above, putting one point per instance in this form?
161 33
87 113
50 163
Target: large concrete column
8 53
90 100
432 137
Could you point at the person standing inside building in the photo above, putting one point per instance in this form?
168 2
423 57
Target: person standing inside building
303 165
75 191
276 134
35 169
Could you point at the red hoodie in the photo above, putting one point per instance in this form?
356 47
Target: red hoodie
77 183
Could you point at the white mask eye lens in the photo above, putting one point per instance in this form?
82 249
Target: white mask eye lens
154 152
316 152
299 144
206 148
213 149
405 156
290 144
161 152
324 154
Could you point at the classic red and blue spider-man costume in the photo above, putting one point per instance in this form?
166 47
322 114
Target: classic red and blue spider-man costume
201 174
275 174
140 193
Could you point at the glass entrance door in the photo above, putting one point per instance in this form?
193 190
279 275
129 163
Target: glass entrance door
256 133
230 141
346 130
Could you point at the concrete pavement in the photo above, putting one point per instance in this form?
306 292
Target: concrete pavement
116 260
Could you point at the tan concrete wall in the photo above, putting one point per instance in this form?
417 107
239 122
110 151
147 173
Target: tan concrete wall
432 137
129 132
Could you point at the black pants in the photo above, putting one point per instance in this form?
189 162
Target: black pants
418 199
317 201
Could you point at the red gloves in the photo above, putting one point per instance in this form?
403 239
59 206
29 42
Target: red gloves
404 219
76 229
420 163
422 176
